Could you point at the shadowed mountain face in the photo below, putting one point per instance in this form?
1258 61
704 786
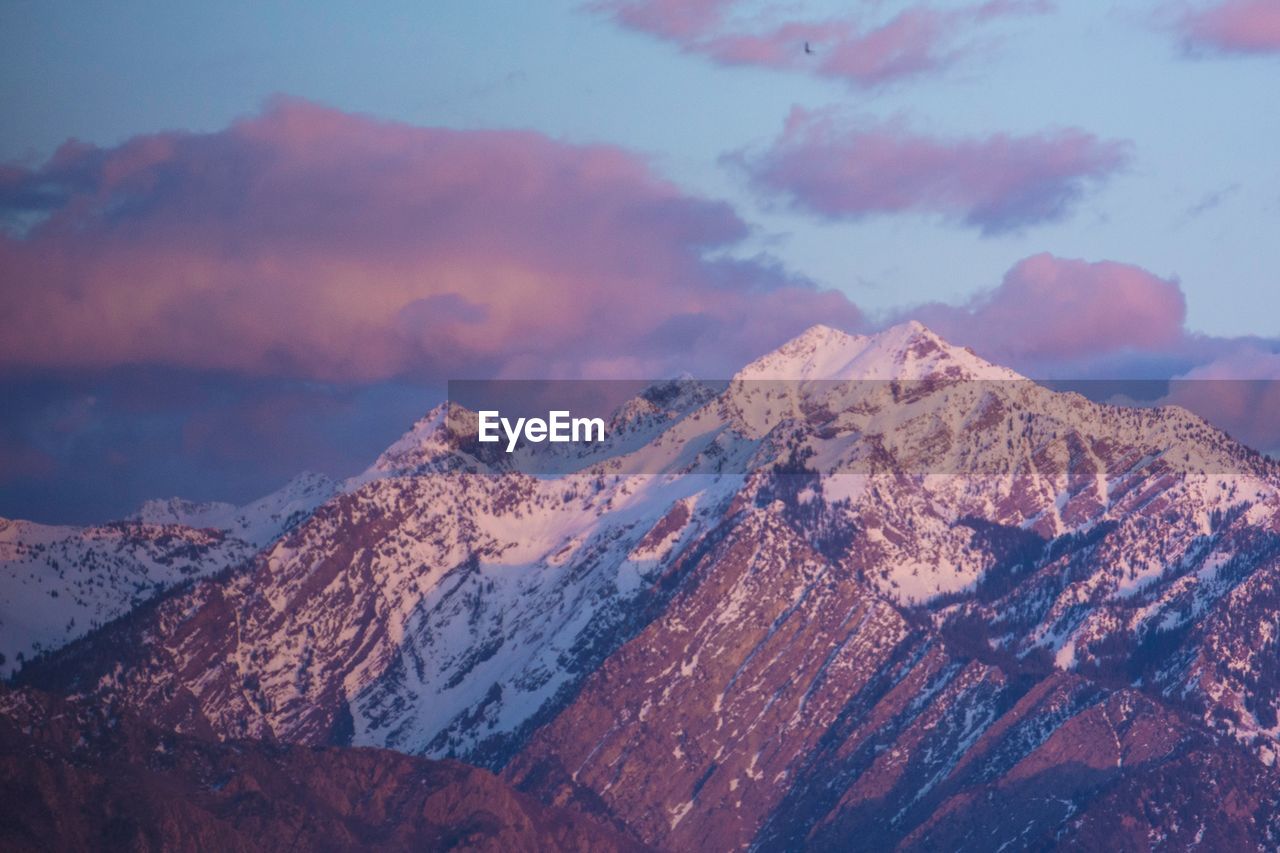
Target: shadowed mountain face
875 592
75 777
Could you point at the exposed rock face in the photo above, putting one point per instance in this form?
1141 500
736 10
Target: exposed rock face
905 597
77 778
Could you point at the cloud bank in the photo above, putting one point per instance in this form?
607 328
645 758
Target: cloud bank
309 243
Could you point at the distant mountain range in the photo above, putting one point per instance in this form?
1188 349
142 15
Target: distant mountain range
58 582
875 592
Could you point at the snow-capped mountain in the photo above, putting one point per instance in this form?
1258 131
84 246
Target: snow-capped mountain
874 586
58 582
909 351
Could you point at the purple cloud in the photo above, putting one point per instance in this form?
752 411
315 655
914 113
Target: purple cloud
838 169
310 243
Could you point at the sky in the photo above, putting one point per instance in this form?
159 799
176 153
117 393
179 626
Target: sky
240 240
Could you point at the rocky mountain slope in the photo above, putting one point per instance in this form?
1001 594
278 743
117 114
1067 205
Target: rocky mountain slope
875 588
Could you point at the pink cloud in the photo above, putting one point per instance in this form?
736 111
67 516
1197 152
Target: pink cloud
917 40
1050 309
1234 26
672 19
850 170
306 242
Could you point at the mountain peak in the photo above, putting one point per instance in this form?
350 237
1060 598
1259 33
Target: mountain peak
909 350
912 330
821 333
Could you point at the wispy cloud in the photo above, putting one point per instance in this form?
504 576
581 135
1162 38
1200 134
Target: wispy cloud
856 49
1209 201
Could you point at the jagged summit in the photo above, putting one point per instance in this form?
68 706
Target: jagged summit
426 439
906 351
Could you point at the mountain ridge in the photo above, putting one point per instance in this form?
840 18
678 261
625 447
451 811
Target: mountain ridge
910 586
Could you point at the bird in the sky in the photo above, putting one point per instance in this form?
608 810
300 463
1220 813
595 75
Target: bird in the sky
808 48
